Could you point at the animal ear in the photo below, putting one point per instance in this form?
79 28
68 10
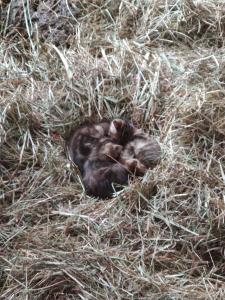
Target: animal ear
118 123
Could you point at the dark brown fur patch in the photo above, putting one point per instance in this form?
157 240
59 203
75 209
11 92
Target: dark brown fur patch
84 139
102 170
107 152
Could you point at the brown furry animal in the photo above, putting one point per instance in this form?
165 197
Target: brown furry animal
137 146
102 171
143 148
87 136
108 152
121 131
84 139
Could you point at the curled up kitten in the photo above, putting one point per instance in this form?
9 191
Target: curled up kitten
138 146
143 148
123 132
84 139
105 155
103 174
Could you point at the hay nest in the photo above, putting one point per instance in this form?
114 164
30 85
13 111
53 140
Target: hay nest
159 63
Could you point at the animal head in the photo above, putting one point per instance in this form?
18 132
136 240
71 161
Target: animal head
109 149
121 131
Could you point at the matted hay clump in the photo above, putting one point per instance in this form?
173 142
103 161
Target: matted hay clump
162 65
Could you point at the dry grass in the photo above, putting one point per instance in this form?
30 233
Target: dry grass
160 63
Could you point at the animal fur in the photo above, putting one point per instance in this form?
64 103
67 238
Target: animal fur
106 154
144 148
138 146
84 139
103 174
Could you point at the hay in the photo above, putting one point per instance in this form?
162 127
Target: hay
159 63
